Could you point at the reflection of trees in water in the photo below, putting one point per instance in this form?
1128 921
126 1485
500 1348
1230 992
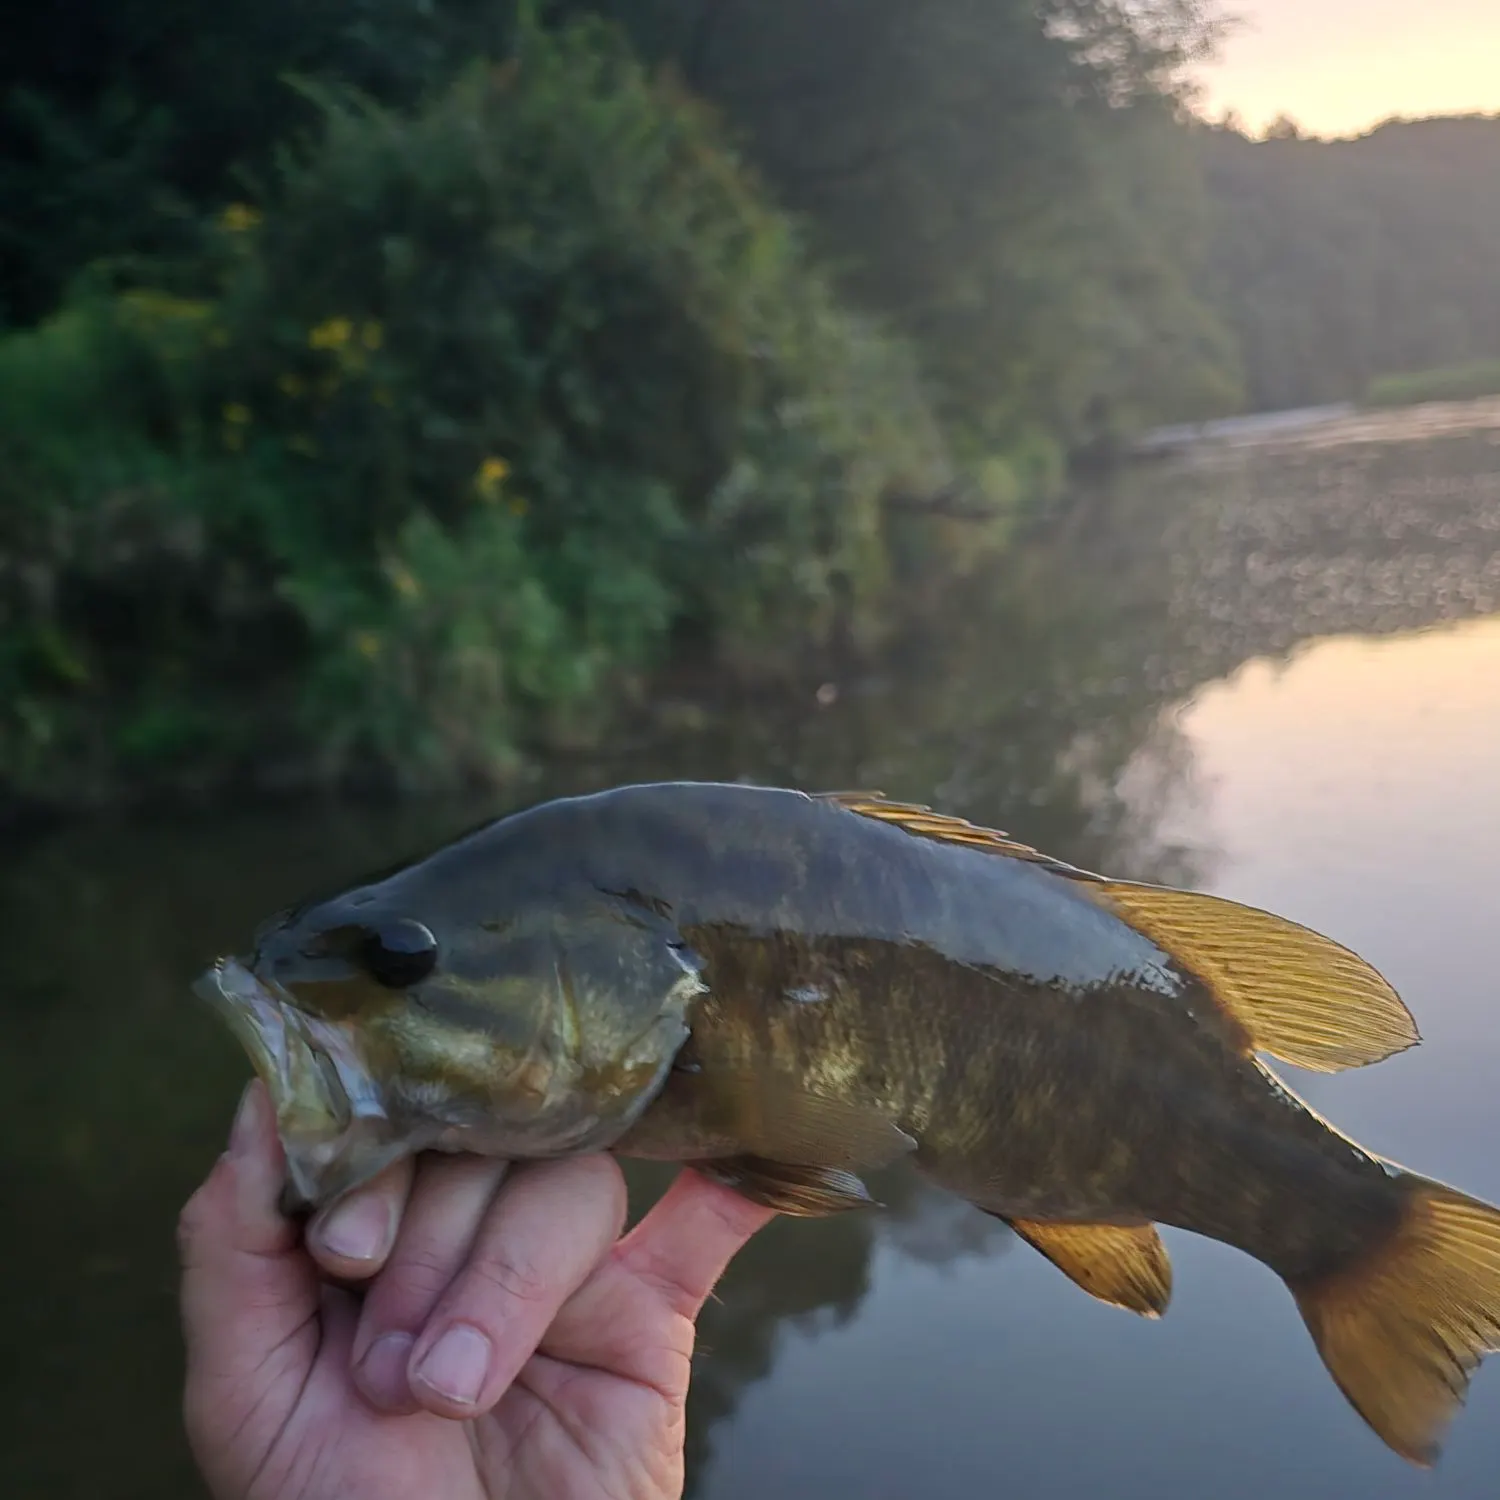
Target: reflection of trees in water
812 1275
798 1273
1303 540
1019 700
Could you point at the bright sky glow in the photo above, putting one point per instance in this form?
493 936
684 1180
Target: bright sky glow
1340 66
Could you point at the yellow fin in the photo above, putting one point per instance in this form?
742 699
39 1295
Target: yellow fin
1403 1330
1299 996
1125 1265
802 1192
924 823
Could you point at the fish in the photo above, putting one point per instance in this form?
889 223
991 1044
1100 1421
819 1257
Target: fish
791 990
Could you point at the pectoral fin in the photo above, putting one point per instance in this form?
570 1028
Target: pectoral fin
778 1116
1125 1265
804 1192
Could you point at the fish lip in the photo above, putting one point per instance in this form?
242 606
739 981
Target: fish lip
335 1130
253 1014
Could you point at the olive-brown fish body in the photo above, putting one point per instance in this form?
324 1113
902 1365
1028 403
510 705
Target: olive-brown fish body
792 991
1034 1101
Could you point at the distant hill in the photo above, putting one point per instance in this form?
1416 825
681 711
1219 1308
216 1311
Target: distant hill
1333 262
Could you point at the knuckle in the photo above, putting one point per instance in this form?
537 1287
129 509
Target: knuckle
421 1273
512 1276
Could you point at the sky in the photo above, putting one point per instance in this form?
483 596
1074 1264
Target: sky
1340 66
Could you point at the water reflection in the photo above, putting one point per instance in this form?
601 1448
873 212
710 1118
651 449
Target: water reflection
904 1354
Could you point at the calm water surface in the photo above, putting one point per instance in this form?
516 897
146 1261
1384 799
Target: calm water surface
1275 675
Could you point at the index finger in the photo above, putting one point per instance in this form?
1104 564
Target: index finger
685 1243
634 1316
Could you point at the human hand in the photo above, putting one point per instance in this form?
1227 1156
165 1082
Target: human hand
568 1371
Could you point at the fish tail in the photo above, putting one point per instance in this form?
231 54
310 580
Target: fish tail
1402 1329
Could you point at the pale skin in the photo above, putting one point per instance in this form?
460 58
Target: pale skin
568 1375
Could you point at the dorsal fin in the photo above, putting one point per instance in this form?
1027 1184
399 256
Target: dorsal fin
924 823
1125 1265
1298 995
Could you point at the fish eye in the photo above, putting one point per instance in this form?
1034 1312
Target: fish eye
398 953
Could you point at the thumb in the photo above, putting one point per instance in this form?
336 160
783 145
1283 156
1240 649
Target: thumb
249 1292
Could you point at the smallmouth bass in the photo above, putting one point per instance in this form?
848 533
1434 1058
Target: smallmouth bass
790 991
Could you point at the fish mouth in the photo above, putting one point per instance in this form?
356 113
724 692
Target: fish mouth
334 1127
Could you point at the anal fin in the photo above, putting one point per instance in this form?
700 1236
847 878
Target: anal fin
1125 1265
803 1192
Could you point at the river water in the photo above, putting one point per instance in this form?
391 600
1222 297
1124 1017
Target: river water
1270 670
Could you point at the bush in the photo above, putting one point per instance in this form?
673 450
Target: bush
477 412
1466 382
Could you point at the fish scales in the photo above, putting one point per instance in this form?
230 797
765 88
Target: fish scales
1070 1057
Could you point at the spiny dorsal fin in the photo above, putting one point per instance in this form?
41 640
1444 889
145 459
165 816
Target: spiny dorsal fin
1299 995
925 823
1125 1265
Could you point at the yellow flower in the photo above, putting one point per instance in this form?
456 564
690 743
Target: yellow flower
236 413
300 443
289 384
518 506
331 333
367 643
372 335
402 581
239 217
491 475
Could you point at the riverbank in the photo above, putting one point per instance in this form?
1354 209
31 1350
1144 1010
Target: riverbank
1463 382
1329 426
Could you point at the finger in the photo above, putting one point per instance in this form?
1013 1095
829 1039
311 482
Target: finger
634 1316
548 1229
353 1237
684 1243
249 1295
447 1201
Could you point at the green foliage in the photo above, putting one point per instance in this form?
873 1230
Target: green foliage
1004 180
481 407
1000 179
135 636
1480 377
1335 262
121 121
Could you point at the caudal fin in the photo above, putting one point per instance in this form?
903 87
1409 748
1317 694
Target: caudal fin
1403 1330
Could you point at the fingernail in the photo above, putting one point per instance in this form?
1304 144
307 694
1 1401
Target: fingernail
455 1367
358 1230
246 1125
381 1374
